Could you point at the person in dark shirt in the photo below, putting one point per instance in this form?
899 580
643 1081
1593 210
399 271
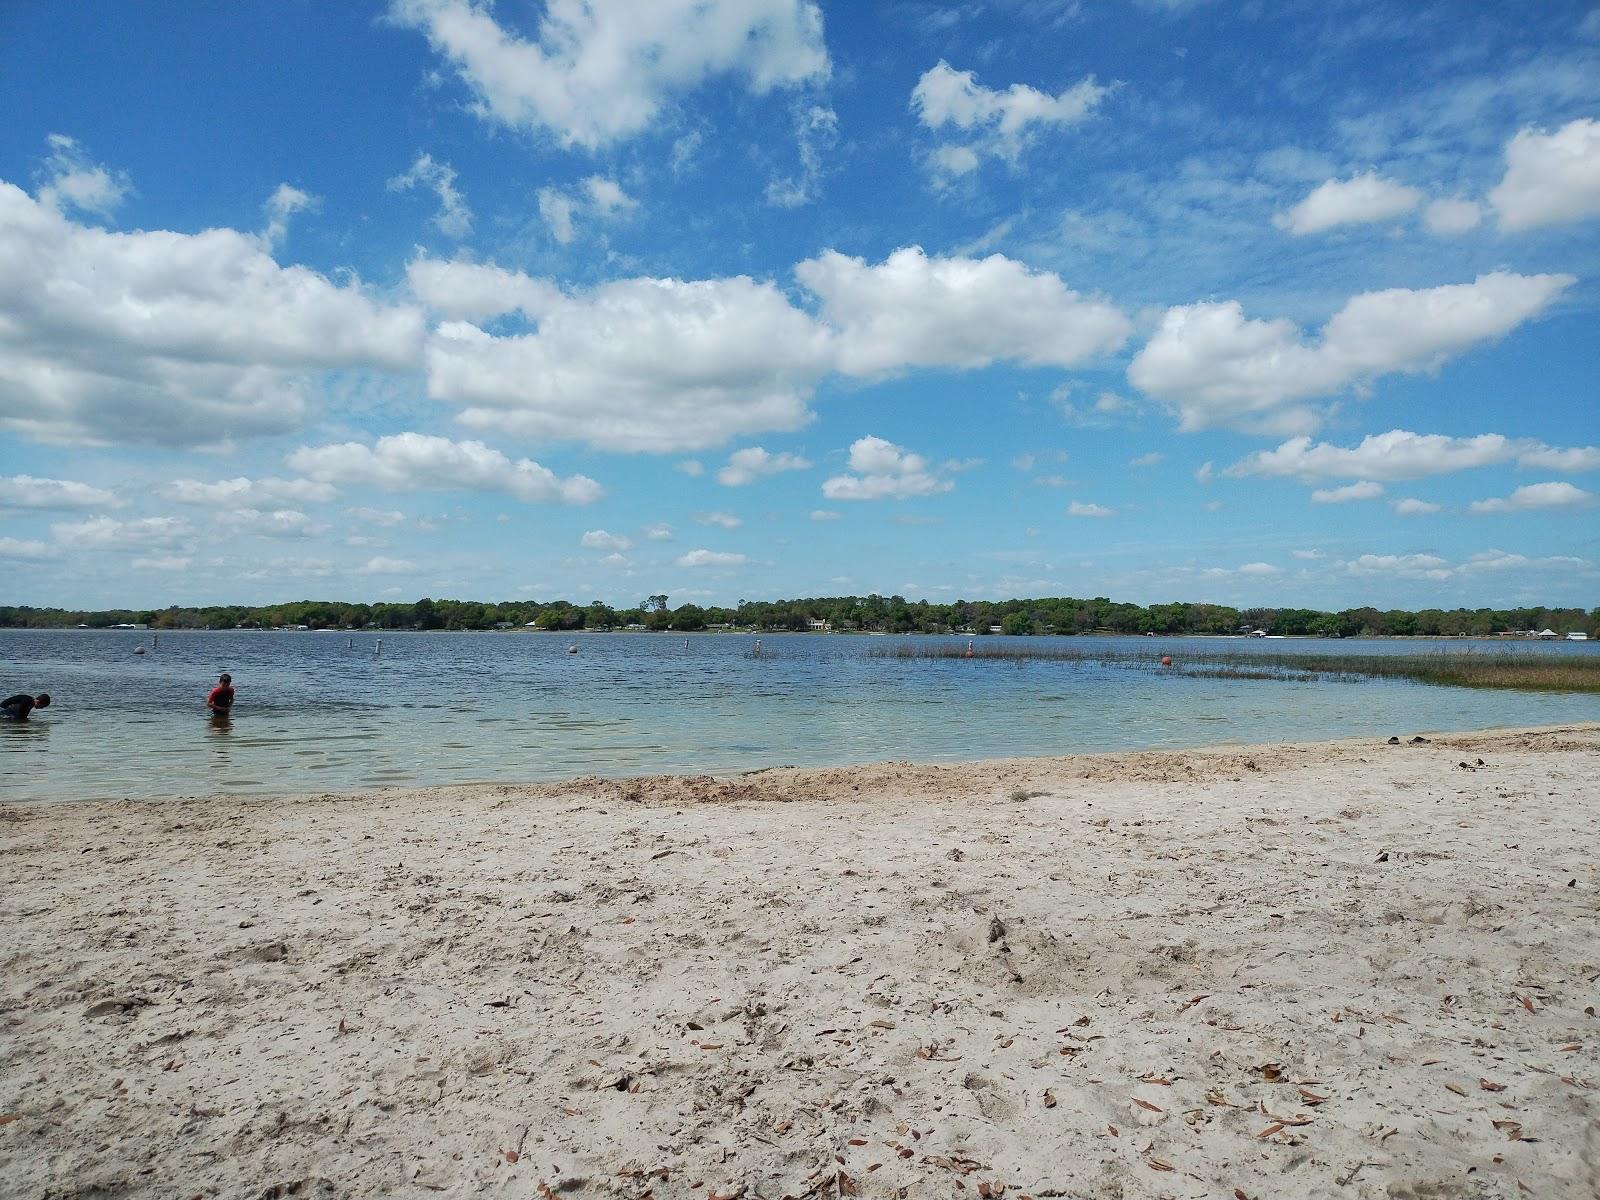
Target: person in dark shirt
17 708
220 701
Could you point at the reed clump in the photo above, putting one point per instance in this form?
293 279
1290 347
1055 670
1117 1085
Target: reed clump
1497 669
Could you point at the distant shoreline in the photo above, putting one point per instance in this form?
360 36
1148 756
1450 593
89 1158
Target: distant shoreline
1063 616
760 632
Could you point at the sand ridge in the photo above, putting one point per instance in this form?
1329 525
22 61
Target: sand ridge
1338 970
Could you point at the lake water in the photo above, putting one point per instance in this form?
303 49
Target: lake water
328 712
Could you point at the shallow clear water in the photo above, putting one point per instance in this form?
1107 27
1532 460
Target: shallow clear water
327 712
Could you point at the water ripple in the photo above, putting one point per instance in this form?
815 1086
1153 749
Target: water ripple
322 712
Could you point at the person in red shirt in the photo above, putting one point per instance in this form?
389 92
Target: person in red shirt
220 701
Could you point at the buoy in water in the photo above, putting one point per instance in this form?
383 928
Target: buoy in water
968 654
1166 660
572 649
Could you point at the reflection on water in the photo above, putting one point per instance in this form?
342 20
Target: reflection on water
24 730
323 711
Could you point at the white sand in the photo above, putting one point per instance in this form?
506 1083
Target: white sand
1135 975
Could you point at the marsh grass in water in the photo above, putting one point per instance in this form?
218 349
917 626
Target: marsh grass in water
1473 669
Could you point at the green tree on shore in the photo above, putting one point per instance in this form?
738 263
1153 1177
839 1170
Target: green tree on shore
871 614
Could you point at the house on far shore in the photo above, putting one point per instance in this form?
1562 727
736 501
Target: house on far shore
1546 634
1577 637
818 625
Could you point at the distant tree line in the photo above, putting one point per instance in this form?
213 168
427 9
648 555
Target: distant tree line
872 614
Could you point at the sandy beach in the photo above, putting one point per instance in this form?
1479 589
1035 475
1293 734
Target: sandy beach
1351 969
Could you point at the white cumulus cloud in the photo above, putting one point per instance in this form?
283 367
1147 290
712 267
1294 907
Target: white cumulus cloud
379 565
1397 454
1501 560
280 523
816 128
108 533
663 365
1550 178
606 196
248 493
1400 454
595 73
280 206
161 562
1403 566
25 549
1557 458
644 364
408 462
996 122
1449 217
1356 201
599 539
915 311
454 218
1365 489
170 337
469 291
1537 496
557 209
725 520
1412 507
711 558
596 197
72 179
880 470
955 160
1079 508
292 567
26 491
1215 367
753 463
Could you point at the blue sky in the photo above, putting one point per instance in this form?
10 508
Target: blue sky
1288 303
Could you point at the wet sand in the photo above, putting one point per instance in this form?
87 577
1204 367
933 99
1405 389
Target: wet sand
1352 970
